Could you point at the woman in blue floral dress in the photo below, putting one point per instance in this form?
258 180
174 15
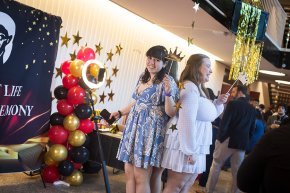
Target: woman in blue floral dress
153 104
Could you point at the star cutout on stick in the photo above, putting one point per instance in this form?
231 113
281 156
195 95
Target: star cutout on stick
196 7
110 55
111 94
189 41
98 48
173 127
119 48
178 105
109 81
77 38
115 70
65 40
181 86
102 97
58 72
73 56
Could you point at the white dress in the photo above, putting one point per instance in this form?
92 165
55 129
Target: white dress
193 133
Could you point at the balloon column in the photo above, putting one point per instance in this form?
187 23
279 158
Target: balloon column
71 123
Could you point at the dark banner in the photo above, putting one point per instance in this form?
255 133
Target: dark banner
28 49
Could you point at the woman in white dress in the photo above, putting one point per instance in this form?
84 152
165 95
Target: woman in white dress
189 133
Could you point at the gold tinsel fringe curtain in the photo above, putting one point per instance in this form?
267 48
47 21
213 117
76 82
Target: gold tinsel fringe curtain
247 52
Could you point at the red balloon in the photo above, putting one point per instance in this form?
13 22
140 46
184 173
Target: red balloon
77 166
86 126
64 107
70 81
58 134
85 54
50 174
76 95
65 67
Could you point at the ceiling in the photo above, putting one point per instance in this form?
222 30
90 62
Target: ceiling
286 6
177 17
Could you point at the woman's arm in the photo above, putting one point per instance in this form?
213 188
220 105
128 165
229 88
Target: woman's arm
171 94
123 111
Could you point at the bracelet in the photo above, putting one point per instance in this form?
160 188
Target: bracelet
167 94
120 113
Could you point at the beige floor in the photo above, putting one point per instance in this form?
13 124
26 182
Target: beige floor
93 183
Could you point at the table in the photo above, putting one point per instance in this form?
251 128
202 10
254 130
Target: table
110 144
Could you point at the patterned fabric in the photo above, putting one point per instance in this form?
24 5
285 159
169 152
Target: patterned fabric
143 138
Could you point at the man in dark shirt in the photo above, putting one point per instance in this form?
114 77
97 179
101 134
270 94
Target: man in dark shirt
237 125
267 168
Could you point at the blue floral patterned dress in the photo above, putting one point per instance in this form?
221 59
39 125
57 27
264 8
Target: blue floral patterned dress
143 138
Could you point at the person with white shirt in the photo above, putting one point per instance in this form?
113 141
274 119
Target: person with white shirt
189 133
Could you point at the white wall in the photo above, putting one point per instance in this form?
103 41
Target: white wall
261 87
105 22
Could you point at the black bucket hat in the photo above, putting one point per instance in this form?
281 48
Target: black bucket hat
159 52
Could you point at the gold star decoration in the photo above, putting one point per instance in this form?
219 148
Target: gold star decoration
110 55
173 127
189 41
77 38
119 48
73 56
109 81
178 105
115 70
111 94
98 48
58 72
102 97
65 40
181 86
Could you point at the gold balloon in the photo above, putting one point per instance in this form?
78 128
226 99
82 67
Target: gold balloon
76 68
94 70
94 98
57 152
75 179
49 161
71 122
76 138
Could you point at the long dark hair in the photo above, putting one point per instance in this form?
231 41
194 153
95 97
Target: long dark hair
191 71
159 52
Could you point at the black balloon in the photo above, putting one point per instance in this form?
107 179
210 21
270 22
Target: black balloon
79 154
56 119
66 168
60 92
83 111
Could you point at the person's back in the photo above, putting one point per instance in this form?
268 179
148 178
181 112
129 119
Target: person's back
267 168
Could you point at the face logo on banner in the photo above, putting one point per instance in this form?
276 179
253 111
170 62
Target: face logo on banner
7 32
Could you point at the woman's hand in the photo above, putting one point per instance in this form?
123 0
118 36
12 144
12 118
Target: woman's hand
222 98
167 84
190 159
116 115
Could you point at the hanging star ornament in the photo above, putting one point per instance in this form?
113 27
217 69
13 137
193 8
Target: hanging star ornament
65 40
102 97
110 55
178 105
111 94
108 82
73 56
119 48
196 7
115 70
181 86
58 73
77 39
173 127
189 41
98 48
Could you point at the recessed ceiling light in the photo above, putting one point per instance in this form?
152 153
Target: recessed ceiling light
272 73
282 82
